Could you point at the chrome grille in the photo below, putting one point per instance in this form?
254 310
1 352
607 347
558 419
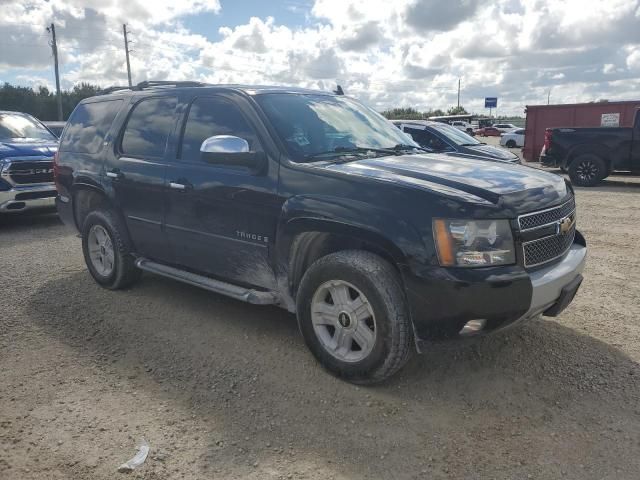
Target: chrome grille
547 249
546 217
27 172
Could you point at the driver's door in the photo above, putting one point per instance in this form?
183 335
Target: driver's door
221 218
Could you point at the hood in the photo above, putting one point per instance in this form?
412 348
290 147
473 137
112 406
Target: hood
493 152
518 187
27 147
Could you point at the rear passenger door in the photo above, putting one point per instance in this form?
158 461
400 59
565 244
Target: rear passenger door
221 219
136 172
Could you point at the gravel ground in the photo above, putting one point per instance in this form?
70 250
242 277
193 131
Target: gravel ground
222 389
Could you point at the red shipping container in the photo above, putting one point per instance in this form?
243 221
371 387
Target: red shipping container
541 117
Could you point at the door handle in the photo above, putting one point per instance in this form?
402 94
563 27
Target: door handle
115 174
179 186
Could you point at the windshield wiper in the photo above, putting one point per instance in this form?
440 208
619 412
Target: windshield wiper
339 151
402 146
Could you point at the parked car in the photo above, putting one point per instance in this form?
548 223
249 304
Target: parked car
313 202
442 138
513 139
504 127
488 132
463 126
590 155
55 127
26 163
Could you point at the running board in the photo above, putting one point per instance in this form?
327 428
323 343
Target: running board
228 289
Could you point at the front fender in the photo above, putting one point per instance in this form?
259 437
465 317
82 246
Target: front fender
383 228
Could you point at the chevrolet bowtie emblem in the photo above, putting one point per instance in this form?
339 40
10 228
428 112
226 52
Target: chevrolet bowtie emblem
564 225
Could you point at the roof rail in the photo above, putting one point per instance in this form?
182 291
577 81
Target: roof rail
167 83
115 88
152 84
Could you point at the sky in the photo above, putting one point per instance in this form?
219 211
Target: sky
386 53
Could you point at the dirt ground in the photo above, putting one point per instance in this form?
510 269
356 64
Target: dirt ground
222 389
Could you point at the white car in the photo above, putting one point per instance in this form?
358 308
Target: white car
504 127
513 139
463 126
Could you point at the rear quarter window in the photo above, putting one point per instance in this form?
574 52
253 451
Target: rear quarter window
148 127
88 126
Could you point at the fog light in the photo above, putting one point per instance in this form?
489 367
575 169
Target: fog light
473 327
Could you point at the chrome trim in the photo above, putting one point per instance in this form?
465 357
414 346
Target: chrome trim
524 256
8 197
542 211
548 283
573 212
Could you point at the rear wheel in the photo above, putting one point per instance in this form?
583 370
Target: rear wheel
107 250
587 170
353 316
511 144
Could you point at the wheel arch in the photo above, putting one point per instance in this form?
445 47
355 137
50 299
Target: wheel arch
590 149
309 239
86 198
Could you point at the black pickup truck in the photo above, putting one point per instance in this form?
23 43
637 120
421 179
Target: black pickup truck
315 203
590 155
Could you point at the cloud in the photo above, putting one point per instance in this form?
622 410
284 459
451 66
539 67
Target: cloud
387 53
429 15
360 38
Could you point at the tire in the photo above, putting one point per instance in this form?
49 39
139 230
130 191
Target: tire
101 229
370 283
587 170
511 144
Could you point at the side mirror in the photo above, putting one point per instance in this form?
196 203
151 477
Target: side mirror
232 151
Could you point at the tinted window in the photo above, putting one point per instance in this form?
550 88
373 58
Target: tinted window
213 116
310 125
148 127
454 135
426 139
88 126
15 125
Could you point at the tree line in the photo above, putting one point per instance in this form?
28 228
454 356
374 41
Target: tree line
409 113
41 102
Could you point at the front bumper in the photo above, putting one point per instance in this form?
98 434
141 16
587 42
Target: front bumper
442 301
20 198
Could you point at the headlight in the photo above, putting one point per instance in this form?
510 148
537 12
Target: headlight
473 243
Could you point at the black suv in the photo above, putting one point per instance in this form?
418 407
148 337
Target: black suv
313 202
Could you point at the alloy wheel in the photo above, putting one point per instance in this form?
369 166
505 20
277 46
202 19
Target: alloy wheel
101 251
343 320
587 171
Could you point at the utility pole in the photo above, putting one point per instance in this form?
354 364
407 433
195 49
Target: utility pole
54 47
548 96
458 93
126 50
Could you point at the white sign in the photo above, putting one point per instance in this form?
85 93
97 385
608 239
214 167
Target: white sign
610 120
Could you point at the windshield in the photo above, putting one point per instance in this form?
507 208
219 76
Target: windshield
312 124
21 126
456 136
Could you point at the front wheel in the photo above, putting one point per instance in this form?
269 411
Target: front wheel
511 144
353 316
587 170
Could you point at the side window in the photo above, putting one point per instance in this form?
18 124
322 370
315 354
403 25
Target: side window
88 126
427 139
148 127
209 116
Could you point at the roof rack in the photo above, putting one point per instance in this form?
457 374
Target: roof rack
152 84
